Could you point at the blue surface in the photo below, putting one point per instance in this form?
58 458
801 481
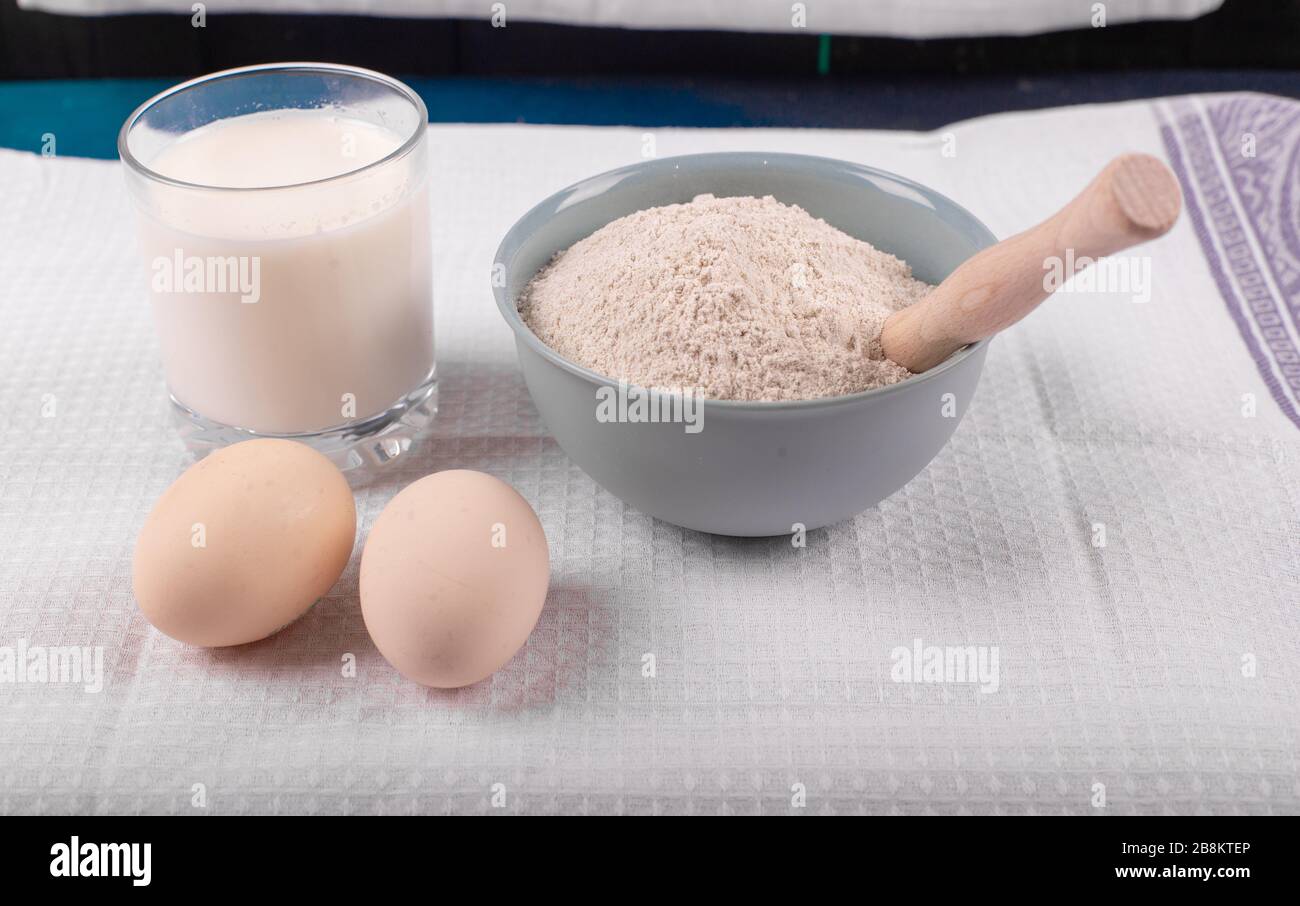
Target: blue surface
85 115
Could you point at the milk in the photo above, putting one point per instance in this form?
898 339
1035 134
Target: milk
296 309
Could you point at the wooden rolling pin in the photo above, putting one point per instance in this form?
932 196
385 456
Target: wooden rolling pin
1133 200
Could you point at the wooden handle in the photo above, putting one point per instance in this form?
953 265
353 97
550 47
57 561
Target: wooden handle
1133 200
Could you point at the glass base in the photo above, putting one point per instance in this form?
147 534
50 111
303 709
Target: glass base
360 449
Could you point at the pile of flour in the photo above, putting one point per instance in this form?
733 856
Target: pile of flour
732 298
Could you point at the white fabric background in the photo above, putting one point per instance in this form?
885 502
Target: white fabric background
898 18
1118 665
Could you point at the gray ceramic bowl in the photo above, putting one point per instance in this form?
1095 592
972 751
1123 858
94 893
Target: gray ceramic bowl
752 468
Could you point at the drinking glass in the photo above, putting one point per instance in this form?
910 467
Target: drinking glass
289 261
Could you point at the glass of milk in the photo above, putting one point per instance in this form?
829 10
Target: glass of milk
283 217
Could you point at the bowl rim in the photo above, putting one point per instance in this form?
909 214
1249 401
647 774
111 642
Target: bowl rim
514 238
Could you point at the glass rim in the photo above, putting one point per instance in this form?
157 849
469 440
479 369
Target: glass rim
135 164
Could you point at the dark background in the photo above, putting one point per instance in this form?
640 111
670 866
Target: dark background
468 71
1255 34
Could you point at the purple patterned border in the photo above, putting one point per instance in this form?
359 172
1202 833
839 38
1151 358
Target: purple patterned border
1238 159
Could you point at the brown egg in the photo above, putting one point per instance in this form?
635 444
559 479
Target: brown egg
453 577
243 543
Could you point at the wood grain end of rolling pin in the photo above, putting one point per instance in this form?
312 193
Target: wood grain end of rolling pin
1147 192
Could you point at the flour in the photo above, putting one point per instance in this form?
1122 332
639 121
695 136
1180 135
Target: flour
732 298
